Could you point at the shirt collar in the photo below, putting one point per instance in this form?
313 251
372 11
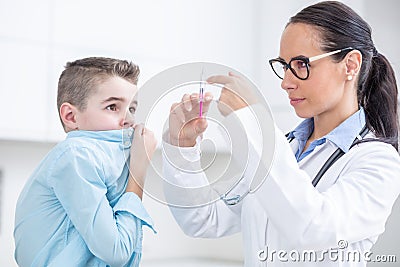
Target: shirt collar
123 136
303 130
342 136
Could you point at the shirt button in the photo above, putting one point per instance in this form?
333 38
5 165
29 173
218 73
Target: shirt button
130 132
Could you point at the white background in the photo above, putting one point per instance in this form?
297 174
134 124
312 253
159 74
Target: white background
37 38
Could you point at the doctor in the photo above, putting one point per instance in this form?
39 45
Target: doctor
346 91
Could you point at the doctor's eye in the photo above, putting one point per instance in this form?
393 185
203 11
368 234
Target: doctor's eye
283 67
299 64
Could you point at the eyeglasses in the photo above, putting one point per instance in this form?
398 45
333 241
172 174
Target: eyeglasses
299 66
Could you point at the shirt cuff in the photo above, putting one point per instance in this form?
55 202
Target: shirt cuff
185 159
131 203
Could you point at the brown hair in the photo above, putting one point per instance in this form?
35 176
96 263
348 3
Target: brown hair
340 27
80 78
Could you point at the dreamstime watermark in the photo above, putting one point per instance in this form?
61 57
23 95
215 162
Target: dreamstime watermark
339 254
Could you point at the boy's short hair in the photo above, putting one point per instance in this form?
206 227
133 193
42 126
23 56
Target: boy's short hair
80 78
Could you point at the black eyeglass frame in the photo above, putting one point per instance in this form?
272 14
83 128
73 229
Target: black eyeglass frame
306 60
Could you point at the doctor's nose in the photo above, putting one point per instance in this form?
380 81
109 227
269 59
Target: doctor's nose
288 81
128 120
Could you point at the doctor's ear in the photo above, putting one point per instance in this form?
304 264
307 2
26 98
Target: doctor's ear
68 114
353 62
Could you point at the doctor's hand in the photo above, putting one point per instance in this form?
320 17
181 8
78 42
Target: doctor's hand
185 125
237 92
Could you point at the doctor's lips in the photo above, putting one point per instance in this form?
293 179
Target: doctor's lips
294 101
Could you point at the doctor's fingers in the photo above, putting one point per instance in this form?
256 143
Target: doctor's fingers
193 129
208 97
186 101
230 101
177 115
189 106
221 79
233 82
195 102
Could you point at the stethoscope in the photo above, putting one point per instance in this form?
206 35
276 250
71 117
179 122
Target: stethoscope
335 155
233 200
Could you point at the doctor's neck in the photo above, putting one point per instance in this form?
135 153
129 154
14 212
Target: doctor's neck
325 123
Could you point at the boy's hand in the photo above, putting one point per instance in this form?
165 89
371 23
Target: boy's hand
185 125
142 150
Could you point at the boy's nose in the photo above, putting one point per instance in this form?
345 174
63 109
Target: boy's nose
129 120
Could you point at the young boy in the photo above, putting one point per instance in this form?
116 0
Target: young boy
82 205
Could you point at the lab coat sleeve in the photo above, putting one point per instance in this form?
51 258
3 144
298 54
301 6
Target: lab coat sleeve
112 234
210 220
221 217
356 207
246 138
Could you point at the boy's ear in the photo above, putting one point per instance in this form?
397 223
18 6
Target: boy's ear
353 62
68 116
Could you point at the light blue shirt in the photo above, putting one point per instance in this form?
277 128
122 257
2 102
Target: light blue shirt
342 136
74 211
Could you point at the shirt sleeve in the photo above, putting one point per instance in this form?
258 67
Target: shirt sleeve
111 234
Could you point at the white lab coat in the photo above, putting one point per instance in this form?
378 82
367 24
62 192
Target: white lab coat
348 208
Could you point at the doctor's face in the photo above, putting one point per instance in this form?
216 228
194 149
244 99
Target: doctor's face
322 92
111 107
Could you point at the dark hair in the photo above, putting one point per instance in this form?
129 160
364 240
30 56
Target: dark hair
81 77
339 27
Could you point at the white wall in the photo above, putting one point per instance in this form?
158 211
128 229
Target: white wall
38 37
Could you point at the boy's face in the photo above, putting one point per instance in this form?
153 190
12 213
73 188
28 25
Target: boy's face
111 107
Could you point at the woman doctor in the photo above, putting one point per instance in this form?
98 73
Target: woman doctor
344 89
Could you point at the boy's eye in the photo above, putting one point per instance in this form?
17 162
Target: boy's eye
132 110
112 107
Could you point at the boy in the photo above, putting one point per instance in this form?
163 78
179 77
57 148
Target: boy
79 207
